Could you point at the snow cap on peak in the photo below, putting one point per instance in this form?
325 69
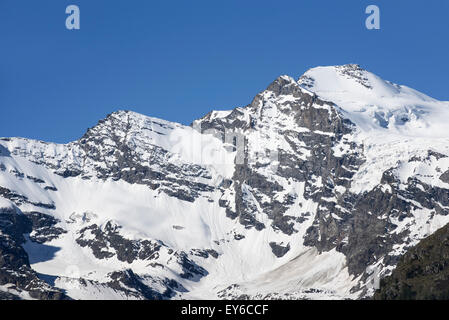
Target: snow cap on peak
351 81
119 115
373 103
350 66
133 118
336 77
124 114
122 122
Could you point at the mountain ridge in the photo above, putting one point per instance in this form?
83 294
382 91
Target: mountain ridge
303 193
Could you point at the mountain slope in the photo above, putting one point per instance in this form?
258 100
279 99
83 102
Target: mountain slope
311 191
422 273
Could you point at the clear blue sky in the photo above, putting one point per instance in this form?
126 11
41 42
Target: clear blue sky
177 60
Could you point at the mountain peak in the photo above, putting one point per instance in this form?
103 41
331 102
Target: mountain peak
350 66
335 75
125 120
286 85
125 115
374 103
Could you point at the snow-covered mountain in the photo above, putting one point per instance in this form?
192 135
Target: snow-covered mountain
310 192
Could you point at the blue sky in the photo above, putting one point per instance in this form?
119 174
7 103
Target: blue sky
177 60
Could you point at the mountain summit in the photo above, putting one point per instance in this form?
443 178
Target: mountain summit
314 190
372 102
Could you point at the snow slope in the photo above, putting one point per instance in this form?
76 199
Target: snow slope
375 104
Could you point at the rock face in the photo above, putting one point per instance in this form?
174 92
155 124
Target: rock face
133 285
102 240
313 190
422 273
43 227
15 269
